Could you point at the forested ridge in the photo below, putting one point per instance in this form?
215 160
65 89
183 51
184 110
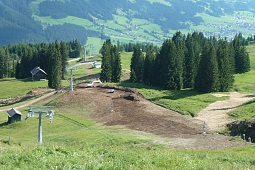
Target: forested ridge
37 21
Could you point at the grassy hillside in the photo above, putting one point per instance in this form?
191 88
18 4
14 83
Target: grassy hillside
245 83
72 141
13 88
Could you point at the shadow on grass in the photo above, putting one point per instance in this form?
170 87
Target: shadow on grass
169 94
129 84
4 124
91 76
26 80
178 94
249 102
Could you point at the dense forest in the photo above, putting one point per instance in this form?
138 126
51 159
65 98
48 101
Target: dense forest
19 59
204 64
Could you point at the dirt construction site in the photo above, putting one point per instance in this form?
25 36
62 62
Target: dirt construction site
131 110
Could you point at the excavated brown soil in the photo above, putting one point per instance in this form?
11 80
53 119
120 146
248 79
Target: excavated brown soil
132 111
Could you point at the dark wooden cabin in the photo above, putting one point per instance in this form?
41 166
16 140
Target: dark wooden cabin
13 116
38 74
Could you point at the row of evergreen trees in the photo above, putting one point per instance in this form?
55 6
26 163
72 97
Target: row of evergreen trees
204 64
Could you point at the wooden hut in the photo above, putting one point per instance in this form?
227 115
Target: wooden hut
13 116
38 74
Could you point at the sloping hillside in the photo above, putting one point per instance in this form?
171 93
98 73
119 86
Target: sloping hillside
124 20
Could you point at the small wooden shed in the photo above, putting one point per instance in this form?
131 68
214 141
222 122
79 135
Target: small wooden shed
38 74
13 116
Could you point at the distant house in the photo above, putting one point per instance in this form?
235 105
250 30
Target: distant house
96 64
13 116
38 74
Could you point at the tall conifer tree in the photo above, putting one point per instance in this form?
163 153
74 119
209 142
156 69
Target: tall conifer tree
162 63
208 74
116 64
136 67
226 78
179 41
242 61
64 56
189 63
111 63
106 72
55 70
148 71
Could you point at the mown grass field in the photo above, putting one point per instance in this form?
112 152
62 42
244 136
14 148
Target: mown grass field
12 88
72 141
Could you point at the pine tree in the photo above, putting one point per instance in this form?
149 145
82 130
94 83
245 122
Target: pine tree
116 64
179 41
226 78
64 56
189 63
106 72
174 72
162 64
111 63
55 69
246 60
148 71
242 61
208 74
136 67
170 66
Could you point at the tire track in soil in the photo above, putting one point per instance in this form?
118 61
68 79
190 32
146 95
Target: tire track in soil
29 103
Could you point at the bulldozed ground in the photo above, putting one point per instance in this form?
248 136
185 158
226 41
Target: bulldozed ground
131 110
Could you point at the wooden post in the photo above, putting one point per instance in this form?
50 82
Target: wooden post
85 51
40 128
71 80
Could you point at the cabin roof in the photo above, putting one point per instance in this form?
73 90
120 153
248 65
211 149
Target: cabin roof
36 70
13 112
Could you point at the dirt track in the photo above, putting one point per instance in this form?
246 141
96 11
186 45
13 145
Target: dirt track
112 109
32 101
215 115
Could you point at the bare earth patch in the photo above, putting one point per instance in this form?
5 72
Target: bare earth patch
112 109
132 111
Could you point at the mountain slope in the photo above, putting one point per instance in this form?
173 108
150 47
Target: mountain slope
123 20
